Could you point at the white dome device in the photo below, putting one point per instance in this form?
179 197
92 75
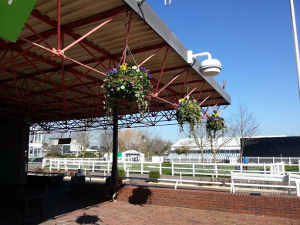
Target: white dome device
209 67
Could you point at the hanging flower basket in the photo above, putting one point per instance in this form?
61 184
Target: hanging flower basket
215 122
127 82
188 111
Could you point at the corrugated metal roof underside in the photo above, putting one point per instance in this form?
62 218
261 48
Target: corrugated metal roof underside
33 82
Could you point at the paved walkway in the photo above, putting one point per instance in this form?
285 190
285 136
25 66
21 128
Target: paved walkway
109 213
63 209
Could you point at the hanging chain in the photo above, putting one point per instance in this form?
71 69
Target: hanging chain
127 49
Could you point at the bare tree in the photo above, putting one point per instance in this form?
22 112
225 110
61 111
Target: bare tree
82 140
105 141
148 143
245 125
200 139
160 146
130 139
219 139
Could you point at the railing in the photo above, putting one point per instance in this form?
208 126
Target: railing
193 169
289 161
286 181
100 166
224 169
229 185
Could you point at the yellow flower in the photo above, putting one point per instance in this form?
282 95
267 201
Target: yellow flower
124 66
217 115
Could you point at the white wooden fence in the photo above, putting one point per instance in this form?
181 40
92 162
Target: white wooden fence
67 164
224 169
193 169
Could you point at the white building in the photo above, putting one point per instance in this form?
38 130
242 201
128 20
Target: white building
36 149
223 145
225 151
36 146
128 155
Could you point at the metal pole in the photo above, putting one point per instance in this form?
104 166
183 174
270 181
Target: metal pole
114 172
296 41
58 25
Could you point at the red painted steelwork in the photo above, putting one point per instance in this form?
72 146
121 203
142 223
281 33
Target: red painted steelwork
43 93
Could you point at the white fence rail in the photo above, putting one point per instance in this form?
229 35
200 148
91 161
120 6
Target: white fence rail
288 161
100 166
283 180
223 169
193 169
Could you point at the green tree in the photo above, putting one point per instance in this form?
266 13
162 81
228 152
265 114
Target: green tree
182 150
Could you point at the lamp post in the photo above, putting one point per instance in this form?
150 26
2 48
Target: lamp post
296 41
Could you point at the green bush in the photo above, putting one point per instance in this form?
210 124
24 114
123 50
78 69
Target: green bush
58 155
88 155
154 175
121 173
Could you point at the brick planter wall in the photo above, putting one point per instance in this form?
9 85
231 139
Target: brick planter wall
287 207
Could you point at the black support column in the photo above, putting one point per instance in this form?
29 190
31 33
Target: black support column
114 173
14 141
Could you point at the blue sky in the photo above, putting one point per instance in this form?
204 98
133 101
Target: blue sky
254 42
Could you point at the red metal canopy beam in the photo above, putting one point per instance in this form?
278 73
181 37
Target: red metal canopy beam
116 56
70 33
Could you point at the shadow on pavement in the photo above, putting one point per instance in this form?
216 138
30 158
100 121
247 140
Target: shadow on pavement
140 196
58 202
88 219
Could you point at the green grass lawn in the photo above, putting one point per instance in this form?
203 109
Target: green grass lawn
166 171
292 168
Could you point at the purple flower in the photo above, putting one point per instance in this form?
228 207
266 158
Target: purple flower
132 83
118 68
148 74
143 69
151 86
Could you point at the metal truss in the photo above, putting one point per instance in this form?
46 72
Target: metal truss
45 101
126 121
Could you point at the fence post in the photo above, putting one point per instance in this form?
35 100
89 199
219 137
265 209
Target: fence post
173 167
142 168
50 165
273 160
258 160
93 166
290 163
108 167
216 170
43 163
160 170
265 169
193 169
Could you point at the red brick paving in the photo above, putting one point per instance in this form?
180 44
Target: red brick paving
110 213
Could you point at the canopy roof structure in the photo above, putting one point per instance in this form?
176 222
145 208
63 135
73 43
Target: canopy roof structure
52 75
